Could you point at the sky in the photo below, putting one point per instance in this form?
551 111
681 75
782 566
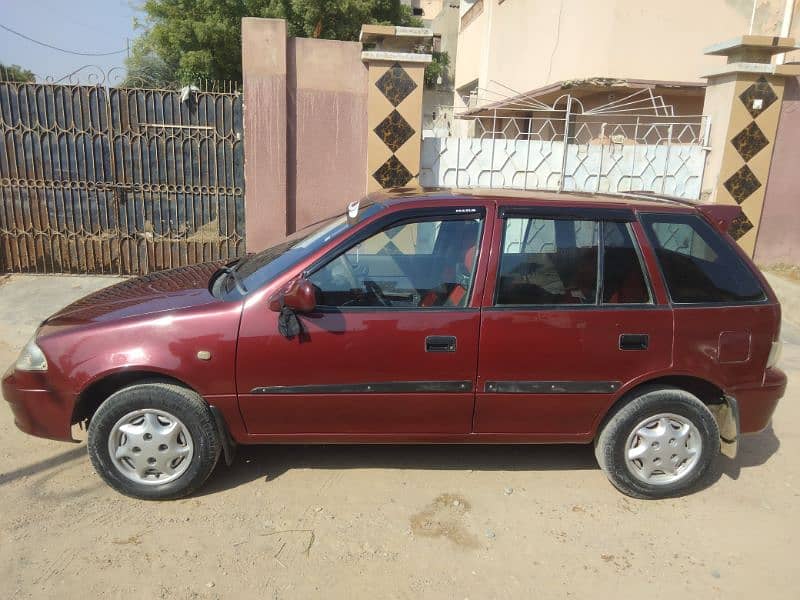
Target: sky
77 25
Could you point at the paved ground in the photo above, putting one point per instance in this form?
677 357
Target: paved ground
401 522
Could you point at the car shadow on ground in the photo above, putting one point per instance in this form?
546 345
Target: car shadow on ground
754 450
270 462
59 460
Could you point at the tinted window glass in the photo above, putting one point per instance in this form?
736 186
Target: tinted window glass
257 269
698 264
421 264
623 279
548 261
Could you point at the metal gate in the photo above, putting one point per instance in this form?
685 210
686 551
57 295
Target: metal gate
634 144
115 180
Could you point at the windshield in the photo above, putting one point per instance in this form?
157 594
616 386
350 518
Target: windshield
257 269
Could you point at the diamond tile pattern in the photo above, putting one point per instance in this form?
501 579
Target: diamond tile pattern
742 184
739 226
750 141
392 174
390 249
396 84
394 130
762 90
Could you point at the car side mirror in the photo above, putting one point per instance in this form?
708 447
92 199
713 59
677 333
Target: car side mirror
298 295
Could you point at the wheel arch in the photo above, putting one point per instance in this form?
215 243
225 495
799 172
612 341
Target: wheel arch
707 392
101 388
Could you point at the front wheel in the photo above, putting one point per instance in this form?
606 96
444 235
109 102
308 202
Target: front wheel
154 441
658 445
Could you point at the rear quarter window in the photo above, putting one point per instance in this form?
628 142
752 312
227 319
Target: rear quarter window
698 264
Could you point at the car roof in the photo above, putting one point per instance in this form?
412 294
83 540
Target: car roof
505 197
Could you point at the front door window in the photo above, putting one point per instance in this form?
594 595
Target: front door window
418 264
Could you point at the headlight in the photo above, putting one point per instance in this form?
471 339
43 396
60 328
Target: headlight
31 358
774 354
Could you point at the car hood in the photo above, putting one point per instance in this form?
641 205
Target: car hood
164 290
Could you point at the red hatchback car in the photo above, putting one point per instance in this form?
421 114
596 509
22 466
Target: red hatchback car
634 323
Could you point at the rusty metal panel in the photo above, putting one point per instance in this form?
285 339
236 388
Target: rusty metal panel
110 180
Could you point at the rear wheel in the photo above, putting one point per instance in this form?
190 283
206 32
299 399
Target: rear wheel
660 444
154 441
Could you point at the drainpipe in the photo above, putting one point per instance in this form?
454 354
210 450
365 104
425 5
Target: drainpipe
786 26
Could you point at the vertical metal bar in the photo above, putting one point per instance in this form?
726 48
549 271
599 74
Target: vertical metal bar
602 150
458 158
115 194
527 155
666 158
494 141
566 142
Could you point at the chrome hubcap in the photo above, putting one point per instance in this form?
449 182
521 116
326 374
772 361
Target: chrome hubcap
150 446
663 449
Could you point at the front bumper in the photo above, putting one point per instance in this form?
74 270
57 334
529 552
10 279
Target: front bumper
36 409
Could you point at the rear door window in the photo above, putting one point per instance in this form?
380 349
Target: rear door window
548 261
623 277
699 265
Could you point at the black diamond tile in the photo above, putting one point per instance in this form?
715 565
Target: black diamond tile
394 130
762 90
392 174
394 231
739 226
396 84
742 184
390 249
750 141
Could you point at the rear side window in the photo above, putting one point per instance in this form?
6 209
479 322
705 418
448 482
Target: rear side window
698 264
548 261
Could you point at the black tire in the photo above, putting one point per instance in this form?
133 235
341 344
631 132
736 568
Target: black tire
610 444
185 405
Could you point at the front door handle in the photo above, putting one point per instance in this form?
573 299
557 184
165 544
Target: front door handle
634 341
440 343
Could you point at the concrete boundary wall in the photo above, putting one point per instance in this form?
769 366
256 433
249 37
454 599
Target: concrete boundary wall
305 128
778 239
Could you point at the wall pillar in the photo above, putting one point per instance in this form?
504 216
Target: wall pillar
394 101
305 129
778 242
743 100
264 88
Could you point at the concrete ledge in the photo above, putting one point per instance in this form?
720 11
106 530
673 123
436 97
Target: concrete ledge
773 45
743 67
376 55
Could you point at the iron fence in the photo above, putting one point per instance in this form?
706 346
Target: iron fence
562 147
98 179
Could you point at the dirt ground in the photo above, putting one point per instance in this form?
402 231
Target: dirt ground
391 521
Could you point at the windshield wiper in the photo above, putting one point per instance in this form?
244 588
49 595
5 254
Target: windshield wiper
237 279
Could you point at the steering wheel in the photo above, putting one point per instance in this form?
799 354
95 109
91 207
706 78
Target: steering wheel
342 271
376 291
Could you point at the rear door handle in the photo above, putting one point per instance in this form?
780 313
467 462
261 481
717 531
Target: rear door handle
634 341
440 343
